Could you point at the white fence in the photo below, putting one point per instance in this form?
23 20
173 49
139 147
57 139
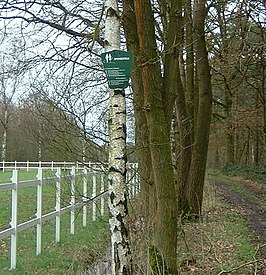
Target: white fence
4 165
93 189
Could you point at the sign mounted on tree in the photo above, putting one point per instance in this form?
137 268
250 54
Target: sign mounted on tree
117 65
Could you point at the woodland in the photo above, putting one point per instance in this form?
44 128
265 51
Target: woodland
197 96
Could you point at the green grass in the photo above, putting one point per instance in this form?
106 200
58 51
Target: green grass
237 229
234 183
5 177
72 254
253 172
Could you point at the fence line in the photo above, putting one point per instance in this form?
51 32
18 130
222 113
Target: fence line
46 164
97 177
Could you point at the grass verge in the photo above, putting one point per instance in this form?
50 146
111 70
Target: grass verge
219 243
72 255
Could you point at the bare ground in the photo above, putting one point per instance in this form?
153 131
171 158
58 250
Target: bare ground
249 198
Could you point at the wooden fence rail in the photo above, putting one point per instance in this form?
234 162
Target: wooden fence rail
93 180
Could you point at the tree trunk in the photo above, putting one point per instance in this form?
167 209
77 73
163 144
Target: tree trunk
173 91
3 149
164 232
230 138
184 107
141 129
4 137
263 100
200 147
256 145
118 208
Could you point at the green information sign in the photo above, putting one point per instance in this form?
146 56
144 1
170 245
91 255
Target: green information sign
117 66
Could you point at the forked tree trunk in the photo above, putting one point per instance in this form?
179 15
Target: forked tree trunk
118 208
165 229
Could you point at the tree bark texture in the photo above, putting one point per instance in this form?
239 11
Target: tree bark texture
164 230
118 208
184 109
141 129
200 147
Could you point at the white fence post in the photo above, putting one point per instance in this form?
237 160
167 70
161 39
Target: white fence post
14 219
92 173
72 200
39 212
57 204
94 190
102 191
85 197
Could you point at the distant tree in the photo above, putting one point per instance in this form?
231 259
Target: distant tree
55 133
9 80
237 50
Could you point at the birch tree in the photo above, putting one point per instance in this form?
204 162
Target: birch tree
118 208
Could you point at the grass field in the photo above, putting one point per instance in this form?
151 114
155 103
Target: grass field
72 254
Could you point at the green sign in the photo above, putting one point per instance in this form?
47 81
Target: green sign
117 66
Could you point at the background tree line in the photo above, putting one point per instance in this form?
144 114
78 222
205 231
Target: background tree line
38 130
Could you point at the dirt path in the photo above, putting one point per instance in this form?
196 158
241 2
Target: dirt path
249 198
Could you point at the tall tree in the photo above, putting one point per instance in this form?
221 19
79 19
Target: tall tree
158 88
117 190
204 111
155 101
9 80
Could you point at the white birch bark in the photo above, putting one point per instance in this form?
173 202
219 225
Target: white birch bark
120 247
